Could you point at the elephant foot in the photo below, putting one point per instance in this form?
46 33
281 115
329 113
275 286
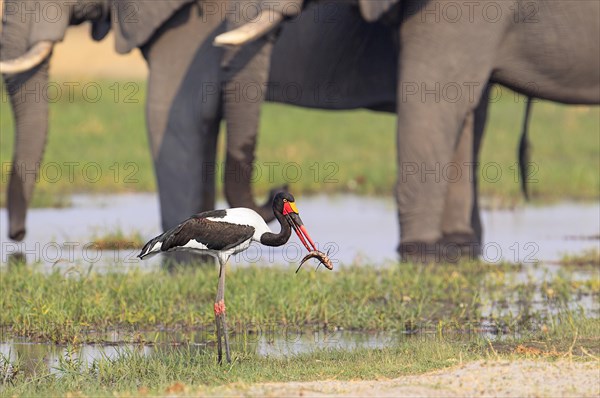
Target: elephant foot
451 248
419 252
461 246
17 235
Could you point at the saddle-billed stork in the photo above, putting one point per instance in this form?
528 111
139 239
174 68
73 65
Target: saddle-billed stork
222 233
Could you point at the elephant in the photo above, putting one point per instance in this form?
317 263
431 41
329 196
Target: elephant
540 48
512 48
315 63
29 31
193 84
185 102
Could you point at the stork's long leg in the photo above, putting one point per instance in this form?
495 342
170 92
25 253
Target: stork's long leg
226 337
220 316
219 334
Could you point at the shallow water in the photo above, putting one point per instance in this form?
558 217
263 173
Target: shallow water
273 341
354 230
265 340
269 341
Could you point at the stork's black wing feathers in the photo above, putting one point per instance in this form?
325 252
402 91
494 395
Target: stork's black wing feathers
211 214
216 235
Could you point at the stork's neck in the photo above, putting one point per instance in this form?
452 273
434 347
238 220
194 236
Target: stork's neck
280 239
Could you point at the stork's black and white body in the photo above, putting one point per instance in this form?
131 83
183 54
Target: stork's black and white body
222 233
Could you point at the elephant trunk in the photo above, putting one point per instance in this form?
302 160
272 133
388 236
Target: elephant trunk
30 109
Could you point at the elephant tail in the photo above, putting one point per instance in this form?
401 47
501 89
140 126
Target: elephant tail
525 149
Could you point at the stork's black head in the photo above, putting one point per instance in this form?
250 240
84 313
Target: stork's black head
285 204
280 200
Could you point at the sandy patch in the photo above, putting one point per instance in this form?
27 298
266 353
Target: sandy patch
521 378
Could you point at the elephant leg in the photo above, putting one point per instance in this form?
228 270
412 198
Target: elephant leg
30 109
457 232
183 112
461 224
479 123
443 71
31 130
422 190
246 70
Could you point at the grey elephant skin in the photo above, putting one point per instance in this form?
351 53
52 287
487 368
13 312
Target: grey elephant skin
435 50
329 54
26 23
184 105
544 49
193 85
333 59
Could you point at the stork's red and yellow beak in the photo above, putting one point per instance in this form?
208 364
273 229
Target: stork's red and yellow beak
289 207
290 211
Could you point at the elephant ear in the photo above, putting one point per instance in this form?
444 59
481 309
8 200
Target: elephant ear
373 10
52 25
136 21
57 16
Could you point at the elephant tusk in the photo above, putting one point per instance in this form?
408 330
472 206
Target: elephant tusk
32 58
266 21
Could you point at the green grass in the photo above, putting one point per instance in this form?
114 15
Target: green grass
66 307
444 305
312 150
588 258
117 240
187 371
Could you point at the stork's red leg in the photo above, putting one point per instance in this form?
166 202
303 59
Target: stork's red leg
219 334
226 336
219 331
220 317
